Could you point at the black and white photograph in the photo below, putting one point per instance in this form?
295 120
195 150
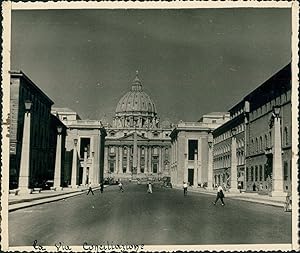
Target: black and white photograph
138 126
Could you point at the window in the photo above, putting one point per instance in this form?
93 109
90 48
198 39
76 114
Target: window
286 137
260 173
111 166
192 148
285 171
154 167
266 141
252 176
260 143
256 173
84 143
256 145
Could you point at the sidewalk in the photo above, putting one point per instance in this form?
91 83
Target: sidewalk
245 196
26 200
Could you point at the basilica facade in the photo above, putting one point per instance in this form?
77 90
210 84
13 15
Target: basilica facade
137 144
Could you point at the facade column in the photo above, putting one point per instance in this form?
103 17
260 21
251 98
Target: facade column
117 160
25 153
57 170
198 165
149 159
138 159
84 173
233 173
128 157
160 159
121 159
105 159
93 174
146 160
210 162
74 166
197 171
277 175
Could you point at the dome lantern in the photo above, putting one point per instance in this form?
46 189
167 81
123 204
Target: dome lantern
136 84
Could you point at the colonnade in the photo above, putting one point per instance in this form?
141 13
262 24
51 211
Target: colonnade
148 157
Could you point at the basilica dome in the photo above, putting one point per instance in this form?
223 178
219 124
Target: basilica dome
136 109
136 101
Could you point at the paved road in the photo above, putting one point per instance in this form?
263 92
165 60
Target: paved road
164 217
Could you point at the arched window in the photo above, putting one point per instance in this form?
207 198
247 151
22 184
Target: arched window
266 141
256 173
260 173
260 143
251 174
286 137
256 145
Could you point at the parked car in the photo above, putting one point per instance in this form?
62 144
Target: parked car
48 184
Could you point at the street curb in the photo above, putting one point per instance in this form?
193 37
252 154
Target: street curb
269 203
44 200
42 197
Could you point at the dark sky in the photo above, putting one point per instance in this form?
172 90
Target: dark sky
191 61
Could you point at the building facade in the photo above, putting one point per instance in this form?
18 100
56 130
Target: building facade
33 134
253 149
137 145
228 139
268 155
191 150
84 149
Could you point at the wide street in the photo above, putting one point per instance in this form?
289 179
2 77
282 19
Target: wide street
164 217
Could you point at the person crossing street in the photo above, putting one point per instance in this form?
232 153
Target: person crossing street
220 195
121 187
90 189
185 186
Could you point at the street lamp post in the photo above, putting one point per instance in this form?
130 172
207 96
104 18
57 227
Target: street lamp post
233 173
277 175
74 165
57 170
210 162
25 152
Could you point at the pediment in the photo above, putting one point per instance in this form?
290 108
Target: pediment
130 137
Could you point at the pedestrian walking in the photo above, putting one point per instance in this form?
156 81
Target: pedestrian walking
185 186
220 195
121 187
101 186
240 187
149 188
90 189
